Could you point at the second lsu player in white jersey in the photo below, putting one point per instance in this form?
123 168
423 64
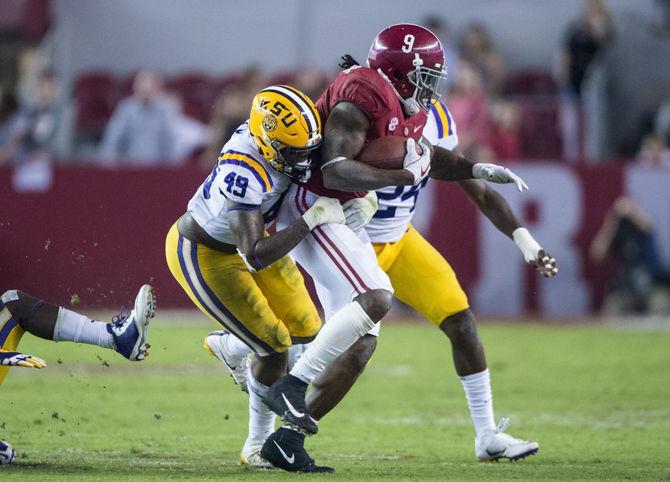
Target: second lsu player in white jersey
423 279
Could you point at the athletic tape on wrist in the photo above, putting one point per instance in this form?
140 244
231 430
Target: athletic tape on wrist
526 243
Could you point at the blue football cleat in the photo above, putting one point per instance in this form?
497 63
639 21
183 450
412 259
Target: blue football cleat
130 330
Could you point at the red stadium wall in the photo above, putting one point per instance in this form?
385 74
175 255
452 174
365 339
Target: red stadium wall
99 234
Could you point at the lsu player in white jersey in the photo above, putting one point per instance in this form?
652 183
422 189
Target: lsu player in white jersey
424 280
20 313
234 271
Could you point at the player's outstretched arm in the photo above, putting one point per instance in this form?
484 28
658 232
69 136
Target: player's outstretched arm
259 251
499 212
16 359
344 136
447 165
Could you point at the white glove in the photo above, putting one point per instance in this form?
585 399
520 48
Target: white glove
497 174
359 211
16 359
418 165
325 210
533 253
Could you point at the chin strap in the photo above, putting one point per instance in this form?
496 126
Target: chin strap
411 106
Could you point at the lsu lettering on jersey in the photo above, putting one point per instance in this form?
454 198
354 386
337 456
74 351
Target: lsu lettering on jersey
241 175
396 204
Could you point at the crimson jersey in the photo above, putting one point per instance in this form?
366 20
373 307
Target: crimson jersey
375 96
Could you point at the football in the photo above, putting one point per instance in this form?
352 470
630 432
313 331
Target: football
7 453
386 152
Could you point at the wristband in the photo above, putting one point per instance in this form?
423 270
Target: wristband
526 243
333 161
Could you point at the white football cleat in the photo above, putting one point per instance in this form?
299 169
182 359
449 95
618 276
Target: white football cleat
129 331
497 445
216 344
251 457
7 453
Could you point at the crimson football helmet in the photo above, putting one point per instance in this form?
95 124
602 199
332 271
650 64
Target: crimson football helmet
412 59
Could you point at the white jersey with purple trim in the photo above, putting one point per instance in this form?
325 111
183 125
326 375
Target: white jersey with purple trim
241 175
396 203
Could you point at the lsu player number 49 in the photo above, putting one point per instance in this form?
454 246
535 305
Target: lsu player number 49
234 271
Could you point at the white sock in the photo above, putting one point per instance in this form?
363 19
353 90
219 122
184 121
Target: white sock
480 401
237 348
342 330
71 326
295 353
261 418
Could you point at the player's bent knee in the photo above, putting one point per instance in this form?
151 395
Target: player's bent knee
15 301
460 325
376 303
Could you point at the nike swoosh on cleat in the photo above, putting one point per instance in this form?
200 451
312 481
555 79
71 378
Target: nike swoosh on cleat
290 459
495 454
291 409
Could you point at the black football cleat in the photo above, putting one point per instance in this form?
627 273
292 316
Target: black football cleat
286 398
285 449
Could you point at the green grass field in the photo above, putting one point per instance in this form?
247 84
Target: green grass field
596 398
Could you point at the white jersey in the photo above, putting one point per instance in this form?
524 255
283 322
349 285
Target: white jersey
241 175
396 203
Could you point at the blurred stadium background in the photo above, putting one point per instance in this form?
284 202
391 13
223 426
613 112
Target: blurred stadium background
575 95
111 115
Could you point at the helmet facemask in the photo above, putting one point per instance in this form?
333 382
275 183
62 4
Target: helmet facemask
427 81
295 162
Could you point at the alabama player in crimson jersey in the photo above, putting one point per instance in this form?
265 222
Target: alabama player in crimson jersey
390 98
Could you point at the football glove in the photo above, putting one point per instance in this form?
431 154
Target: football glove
498 174
16 359
417 165
533 253
325 210
359 212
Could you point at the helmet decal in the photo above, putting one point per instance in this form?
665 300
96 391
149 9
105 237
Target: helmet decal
269 122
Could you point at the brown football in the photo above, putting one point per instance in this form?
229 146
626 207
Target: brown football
386 152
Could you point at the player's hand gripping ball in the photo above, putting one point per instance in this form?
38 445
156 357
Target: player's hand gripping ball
7 453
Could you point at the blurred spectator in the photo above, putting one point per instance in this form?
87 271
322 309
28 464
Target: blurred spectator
654 153
441 29
476 46
627 237
506 131
31 133
469 106
140 129
190 134
586 39
10 126
230 111
31 136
